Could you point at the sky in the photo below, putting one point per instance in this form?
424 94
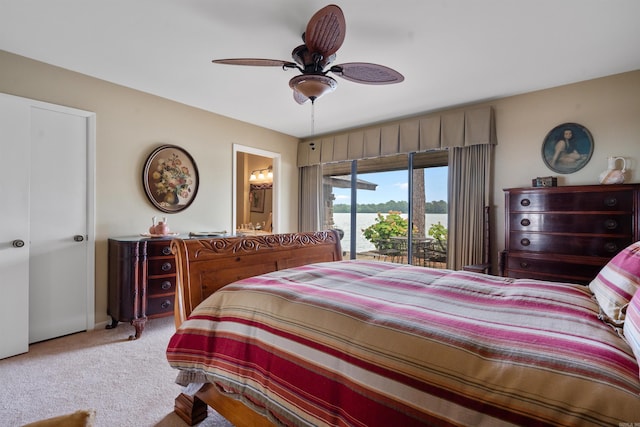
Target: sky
393 186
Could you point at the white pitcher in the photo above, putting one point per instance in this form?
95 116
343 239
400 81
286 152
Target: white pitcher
613 175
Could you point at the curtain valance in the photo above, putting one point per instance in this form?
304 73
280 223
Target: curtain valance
458 128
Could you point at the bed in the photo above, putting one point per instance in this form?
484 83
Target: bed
316 340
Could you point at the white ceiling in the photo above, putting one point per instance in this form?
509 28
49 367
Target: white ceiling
451 52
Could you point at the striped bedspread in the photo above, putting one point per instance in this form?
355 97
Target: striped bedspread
359 343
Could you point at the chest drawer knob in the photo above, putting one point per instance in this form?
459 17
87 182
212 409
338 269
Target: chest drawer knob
525 202
524 264
611 247
165 304
610 201
525 242
166 250
611 224
525 222
166 266
165 285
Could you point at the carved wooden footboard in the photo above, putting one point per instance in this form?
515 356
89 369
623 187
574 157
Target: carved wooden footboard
206 265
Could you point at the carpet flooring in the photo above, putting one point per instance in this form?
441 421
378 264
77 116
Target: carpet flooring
127 383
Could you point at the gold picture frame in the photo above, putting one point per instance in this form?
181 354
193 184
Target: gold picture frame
170 178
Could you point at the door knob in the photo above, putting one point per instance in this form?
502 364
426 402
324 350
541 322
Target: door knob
18 243
78 238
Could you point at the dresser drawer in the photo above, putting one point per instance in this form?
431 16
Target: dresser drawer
554 270
159 248
587 245
159 305
600 223
161 286
577 201
161 266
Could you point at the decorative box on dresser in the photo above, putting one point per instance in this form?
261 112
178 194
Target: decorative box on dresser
567 233
142 280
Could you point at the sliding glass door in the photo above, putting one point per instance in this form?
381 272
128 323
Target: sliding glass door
389 207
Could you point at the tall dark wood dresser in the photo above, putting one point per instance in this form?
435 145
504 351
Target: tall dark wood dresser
567 233
142 280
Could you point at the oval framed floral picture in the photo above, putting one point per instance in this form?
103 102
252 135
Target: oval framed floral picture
170 178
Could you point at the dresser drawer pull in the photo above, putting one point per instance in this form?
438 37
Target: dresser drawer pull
610 201
165 285
611 247
524 264
165 304
166 266
525 222
611 224
166 250
525 202
525 242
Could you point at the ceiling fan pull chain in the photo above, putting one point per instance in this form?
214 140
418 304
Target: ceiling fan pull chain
313 117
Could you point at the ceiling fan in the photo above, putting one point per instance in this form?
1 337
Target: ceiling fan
322 38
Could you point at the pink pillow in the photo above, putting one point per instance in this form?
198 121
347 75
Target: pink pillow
632 325
617 282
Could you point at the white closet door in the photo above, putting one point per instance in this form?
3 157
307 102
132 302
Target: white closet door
58 224
46 208
14 227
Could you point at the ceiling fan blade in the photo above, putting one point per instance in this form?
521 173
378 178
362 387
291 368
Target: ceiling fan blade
325 31
299 98
256 62
367 73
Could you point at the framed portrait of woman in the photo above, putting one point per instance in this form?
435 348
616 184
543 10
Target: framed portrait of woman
567 148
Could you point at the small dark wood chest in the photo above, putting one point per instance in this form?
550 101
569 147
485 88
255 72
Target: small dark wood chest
142 281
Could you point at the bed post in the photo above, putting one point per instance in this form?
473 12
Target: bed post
179 249
191 409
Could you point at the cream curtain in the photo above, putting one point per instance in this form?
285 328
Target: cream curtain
469 192
309 214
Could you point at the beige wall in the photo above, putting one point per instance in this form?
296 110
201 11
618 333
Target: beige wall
130 124
608 107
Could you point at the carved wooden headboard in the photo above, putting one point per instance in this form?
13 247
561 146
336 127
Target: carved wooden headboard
206 265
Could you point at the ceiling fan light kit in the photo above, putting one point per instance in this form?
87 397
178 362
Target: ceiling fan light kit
323 36
313 86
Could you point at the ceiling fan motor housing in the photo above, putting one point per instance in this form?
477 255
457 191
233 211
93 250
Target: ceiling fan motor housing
311 62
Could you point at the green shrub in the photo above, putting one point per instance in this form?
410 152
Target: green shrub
385 227
439 233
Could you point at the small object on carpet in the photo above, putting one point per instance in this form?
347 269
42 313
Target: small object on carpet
83 418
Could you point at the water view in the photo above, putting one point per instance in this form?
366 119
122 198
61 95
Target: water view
363 220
